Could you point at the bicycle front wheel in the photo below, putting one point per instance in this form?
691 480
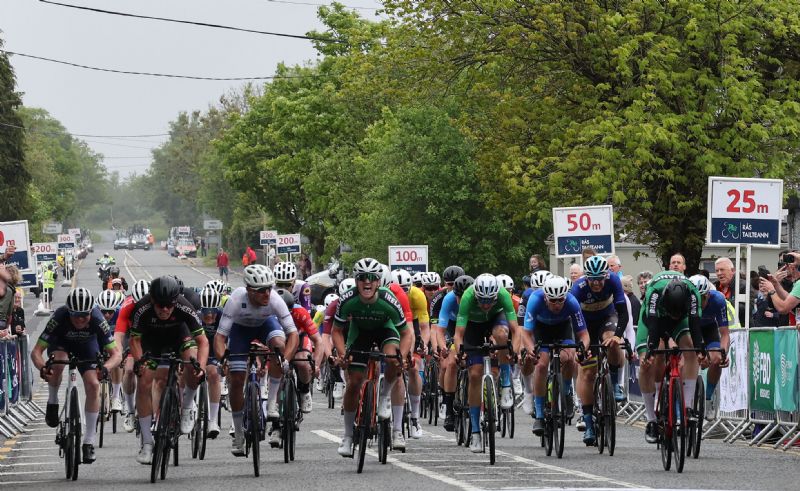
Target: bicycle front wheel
489 416
74 435
664 428
384 438
698 416
559 414
678 412
599 414
609 416
366 414
288 414
160 440
202 419
253 431
101 419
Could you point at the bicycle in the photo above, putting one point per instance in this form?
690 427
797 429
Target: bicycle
326 376
367 425
68 434
430 391
670 408
555 410
199 434
289 408
605 405
104 413
168 424
505 416
488 420
696 414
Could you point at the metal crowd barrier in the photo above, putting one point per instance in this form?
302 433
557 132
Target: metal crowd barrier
17 408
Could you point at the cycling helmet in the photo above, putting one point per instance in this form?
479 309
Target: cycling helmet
538 278
431 278
505 281
209 298
285 272
462 283
367 265
330 298
258 276
80 300
402 277
416 279
114 270
569 282
287 297
386 275
596 267
217 285
179 281
108 300
675 299
164 290
555 288
486 287
526 280
701 283
116 281
345 285
451 273
140 289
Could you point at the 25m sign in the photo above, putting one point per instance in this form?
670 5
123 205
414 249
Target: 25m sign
744 211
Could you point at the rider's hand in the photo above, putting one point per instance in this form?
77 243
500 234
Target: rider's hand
45 373
725 361
612 342
285 367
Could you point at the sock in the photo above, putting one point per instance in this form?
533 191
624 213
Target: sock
397 418
131 400
614 371
52 394
475 419
538 402
587 414
526 384
188 397
274 385
505 375
568 386
144 429
710 388
91 427
349 421
414 406
649 405
516 373
688 391
303 387
422 375
213 411
386 388
115 389
238 422
447 398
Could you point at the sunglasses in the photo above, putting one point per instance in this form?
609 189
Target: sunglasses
165 305
431 288
486 301
368 277
449 283
595 279
284 283
205 312
79 314
556 300
263 289
107 312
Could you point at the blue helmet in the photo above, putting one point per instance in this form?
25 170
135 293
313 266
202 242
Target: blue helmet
596 267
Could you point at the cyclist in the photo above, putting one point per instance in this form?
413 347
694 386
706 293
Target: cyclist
253 312
714 325
671 308
604 308
76 329
164 322
327 329
188 293
553 315
219 286
286 278
485 310
375 316
109 303
310 341
121 336
210 314
418 300
114 275
506 282
445 332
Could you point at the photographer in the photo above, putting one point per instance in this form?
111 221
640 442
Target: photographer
783 301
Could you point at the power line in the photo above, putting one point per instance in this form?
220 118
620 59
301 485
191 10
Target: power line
322 5
195 23
149 74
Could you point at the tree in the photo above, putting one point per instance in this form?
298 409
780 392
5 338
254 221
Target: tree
15 177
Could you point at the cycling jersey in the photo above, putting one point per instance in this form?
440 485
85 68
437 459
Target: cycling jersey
714 318
402 297
162 336
469 310
304 324
60 335
605 310
436 305
419 304
319 316
327 320
448 314
239 310
302 294
538 313
124 315
192 296
523 304
654 323
211 331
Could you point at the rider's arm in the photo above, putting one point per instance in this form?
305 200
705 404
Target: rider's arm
220 345
467 301
694 317
37 355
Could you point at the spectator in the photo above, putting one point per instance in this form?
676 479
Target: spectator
587 252
251 255
783 301
575 272
6 256
614 265
537 263
642 279
18 316
6 302
48 283
222 263
726 285
636 305
203 247
305 266
764 313
677 263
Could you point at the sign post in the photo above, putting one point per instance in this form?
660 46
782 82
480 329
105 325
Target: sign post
15 234
581 227
52 228
75 232
413 258
289 244
66 242
268 239
214 225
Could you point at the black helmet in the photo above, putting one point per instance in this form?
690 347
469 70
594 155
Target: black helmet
180 283
114 270
526 280
164 290
287 297
451 273
676 299
462 283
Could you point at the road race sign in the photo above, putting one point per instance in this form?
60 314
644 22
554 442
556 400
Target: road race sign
66 241
44 251
289 243
212 224
15 234
409 257
268 237
52 228
581 227
74 231
744 211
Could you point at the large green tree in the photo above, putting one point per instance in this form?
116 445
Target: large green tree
15 177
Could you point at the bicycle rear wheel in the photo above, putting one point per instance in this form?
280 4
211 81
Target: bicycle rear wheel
664 429
609 416
490 417
101 419
364 421
202 419
160 440
559 414
678 412
599 414
74 435
384 439
253 431
697 419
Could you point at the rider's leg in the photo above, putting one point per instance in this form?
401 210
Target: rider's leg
689 371
91 408
540 383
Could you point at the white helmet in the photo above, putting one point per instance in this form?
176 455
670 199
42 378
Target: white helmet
402 277
569 282
701 283
555 288
386 275
140 289
417 278
345 285
258 276
330 298
217 285
539 278
505 281
367 265
209 298
431 278
486 287
80 300
285 272
108 300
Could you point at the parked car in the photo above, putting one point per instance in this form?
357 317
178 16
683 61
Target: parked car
122 243
140 241
186 247
324 282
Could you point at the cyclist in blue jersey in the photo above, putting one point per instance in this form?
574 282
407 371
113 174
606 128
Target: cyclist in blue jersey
714 325
553 315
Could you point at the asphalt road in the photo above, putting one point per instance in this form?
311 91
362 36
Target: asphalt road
433 462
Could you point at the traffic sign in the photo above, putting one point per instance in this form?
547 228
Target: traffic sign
66 241
44 251
185 230
289 243
581 227
744 211
212 224
409 257
268 237
52 228
74 231
16 234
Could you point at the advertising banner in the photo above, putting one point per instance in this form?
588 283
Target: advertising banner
786 369
762 370
733 382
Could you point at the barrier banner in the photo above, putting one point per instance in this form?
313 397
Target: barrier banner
786 369
12 355
762 371
3 383
733 383
26 375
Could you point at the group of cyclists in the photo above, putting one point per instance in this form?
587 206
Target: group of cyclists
409 317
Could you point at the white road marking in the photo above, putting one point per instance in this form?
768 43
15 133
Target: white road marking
26 456
19 483
30 463
34 448
24 472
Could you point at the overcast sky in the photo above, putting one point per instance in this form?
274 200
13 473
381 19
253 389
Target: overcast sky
98 103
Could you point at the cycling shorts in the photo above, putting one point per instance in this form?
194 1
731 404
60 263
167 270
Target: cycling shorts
82 351
560 333
477 333
241 336
664 327
711 337
598 327
364 340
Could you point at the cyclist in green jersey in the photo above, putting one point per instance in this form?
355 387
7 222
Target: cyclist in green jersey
671 309
374 316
